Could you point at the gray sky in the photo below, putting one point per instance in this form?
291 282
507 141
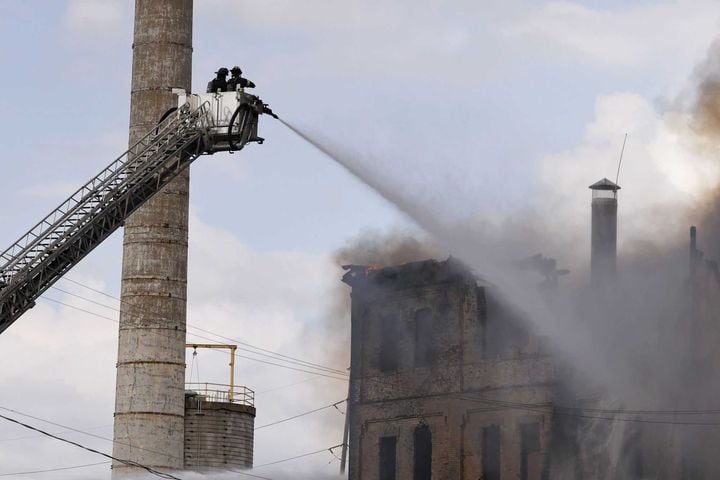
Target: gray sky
472 109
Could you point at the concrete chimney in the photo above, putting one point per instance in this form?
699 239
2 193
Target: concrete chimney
603 251
149 404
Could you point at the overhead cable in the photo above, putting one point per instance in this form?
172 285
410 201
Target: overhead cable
550 410
27 437
288 367
76 430
129 463
301 414
270 352
330 449
58 469
261 351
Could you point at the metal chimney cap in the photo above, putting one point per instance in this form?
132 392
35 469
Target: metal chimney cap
604 184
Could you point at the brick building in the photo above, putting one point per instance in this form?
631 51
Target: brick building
438 367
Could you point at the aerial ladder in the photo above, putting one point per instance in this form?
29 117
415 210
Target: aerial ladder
202 124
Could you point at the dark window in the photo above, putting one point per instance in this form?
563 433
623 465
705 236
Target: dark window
490 453
531 459
388 451
422 469
423 338
504 332
389 343
633 452
637 460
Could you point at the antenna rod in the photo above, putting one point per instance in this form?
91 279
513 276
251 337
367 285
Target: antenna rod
622 151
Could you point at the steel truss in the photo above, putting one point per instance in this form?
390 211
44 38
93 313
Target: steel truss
59 241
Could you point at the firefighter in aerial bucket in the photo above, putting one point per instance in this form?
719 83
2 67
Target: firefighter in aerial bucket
238 81
219 83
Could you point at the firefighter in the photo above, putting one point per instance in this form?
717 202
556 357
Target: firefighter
218 83
238 81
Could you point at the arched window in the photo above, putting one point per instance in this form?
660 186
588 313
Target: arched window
388 458
423 453
490 452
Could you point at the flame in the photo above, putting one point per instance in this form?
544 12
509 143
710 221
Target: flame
371 268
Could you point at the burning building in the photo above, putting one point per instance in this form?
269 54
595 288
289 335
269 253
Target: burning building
436 359
449 381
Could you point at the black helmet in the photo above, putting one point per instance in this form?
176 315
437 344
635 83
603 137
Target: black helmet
236 70
222 71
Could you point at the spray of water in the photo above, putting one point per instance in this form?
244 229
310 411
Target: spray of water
631 347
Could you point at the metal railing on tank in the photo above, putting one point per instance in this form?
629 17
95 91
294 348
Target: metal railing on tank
221 393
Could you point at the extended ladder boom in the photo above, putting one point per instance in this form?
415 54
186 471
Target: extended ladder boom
59 241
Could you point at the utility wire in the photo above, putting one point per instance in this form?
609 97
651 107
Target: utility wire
549 409
299 456
240 342
294 359
280 387
619 411
556 409
301 414
59 469
89 312
27 437
261 351
249 474
109 307
91 450
90 288
71 429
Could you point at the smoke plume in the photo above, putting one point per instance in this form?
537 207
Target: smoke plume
652 345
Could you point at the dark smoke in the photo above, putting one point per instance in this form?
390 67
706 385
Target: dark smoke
706 109
374 248
389 248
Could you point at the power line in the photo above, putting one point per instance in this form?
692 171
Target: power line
560 410
84 298
89 312
249 474
59 469
68 429
300 415
309 364
261 351
286 386
605 411
90 288
549 409
299 456
270 352
96 452
287 367
56 433
71 429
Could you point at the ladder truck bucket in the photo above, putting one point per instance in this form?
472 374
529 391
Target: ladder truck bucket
232 118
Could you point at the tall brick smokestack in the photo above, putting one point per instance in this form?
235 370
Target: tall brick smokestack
149 404
603 249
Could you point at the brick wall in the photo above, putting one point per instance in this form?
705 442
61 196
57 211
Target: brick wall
479 351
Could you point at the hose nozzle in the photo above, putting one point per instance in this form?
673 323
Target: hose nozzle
268 111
